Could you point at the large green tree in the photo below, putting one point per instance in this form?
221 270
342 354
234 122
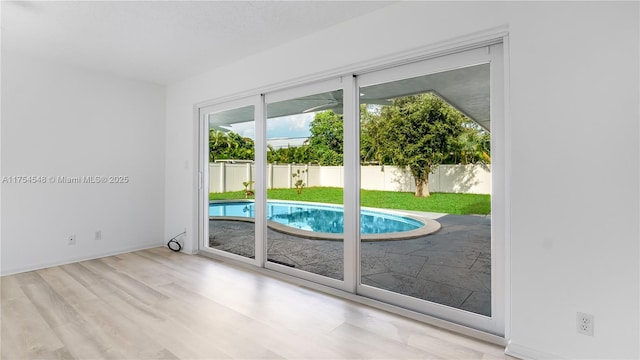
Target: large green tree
416 132
372 136
326 141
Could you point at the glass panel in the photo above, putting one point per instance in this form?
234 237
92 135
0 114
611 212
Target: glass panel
426 188
231 173
305 184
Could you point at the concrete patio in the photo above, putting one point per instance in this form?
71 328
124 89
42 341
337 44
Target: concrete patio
451 267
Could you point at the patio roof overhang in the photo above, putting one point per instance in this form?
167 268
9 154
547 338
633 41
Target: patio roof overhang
467 89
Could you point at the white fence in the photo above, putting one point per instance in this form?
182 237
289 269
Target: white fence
471 179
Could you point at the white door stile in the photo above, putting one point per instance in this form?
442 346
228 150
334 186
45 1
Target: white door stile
203 179
351 183
500 189
260 186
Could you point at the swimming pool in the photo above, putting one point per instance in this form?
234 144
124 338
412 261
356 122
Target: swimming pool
320 218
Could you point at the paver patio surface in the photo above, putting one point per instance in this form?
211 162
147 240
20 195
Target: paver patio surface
450 267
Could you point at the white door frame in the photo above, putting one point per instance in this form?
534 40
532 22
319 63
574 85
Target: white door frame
496 41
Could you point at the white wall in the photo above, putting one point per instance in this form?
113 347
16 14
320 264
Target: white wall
64 121
573 97
468 179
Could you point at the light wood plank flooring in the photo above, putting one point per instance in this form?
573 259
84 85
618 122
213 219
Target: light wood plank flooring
156 304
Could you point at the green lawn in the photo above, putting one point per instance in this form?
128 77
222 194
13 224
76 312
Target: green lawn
461 204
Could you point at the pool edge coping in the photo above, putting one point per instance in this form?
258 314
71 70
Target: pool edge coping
430 226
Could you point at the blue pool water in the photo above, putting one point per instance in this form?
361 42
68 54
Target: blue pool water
318 218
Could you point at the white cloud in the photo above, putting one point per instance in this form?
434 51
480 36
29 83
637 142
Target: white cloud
295 127
245 129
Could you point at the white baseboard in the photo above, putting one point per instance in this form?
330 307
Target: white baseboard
45 265
526 353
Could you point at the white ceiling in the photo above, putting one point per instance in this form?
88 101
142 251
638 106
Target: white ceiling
163 41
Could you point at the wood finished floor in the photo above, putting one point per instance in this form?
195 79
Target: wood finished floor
156 304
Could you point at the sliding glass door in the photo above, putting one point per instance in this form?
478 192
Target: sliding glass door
228 179
426 180
305 217
387 182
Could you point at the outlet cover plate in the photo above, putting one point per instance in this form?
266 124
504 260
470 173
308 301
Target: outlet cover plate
584 323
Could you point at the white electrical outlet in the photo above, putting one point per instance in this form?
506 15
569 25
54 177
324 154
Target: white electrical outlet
98 235
584 323
71 240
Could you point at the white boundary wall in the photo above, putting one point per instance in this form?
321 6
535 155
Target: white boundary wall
472 179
